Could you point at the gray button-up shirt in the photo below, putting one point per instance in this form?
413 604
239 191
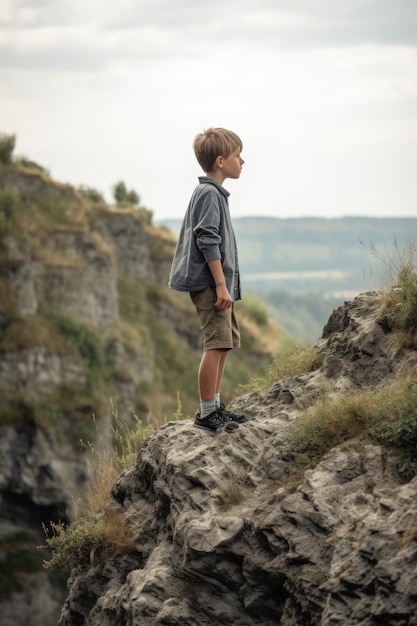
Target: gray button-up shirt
206 234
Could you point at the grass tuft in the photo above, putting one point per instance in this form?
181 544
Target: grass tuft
232 493
399 308
7 146
386 416
93 527
127 440
77 542
294 359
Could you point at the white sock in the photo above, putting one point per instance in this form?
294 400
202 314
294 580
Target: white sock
207 407
217 400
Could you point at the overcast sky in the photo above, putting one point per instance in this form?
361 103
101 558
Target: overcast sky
322 92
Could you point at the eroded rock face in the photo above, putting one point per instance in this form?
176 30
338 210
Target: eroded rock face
32 464
71 268
334 551
38 481
82 279
355 349
36 369
221 538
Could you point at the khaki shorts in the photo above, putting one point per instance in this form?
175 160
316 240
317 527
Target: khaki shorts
220 328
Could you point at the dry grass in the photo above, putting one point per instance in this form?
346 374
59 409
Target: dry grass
329 422
386 415
269 336
399 303
230 496
27 333
294 359
232 492
393 259
76 543
127 439
93 526
399 310
161 243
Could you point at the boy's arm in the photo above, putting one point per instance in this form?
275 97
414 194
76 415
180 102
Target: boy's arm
224 301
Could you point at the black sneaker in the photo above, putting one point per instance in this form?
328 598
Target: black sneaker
215 421
233 417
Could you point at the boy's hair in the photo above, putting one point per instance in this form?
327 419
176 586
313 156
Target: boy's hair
215 142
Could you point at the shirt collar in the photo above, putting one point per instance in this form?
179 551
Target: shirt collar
211 181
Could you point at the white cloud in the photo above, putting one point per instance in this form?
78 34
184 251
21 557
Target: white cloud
323 93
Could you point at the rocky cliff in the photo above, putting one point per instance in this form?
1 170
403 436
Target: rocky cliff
86 319
60 256
226 533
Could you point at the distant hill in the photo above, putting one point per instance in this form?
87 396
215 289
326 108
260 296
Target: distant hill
305 267
303 254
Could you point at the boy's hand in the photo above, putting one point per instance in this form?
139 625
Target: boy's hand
224 301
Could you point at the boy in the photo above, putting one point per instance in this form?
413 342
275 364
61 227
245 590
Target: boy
205 264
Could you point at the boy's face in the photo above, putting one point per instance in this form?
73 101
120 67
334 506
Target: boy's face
231 166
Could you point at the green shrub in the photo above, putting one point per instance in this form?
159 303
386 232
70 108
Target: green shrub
25 162
9 201
256 309
91 194
394 422
84 338
130 198
145 215
73 544
7 145
123 196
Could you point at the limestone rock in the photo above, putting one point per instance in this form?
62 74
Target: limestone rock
36 369
38 480
354 345
220 538
83 281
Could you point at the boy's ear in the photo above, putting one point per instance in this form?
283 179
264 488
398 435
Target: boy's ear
219 162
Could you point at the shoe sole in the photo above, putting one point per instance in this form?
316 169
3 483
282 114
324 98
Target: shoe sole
211 430
227 427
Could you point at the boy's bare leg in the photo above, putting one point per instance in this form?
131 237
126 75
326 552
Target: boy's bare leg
210 373
225 354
